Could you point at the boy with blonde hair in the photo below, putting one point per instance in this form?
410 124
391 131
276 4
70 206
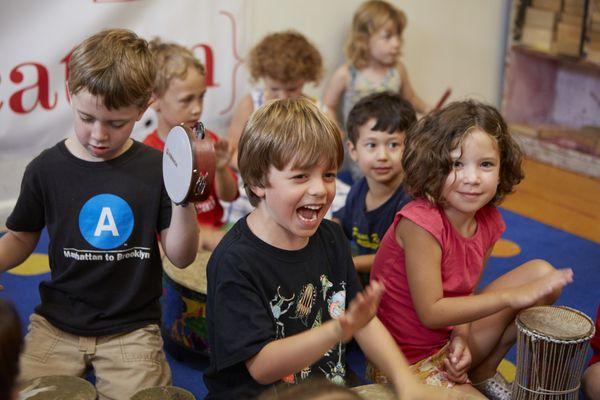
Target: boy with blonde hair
178 98
283 294
101 197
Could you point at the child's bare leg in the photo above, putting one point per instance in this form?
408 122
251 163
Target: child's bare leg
591 382
210 237
492 337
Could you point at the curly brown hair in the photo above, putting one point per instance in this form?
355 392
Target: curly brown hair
286 57
172 61
428 144
368 19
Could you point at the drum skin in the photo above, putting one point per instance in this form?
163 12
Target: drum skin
163 393
188 165
58 387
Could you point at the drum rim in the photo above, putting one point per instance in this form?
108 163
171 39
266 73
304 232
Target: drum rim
542 335
192 173
177 388
86 385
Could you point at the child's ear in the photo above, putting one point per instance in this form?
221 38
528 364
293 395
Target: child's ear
259 191
153 102
352 150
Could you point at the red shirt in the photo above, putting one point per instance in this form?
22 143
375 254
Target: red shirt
595 343
209 211
461 265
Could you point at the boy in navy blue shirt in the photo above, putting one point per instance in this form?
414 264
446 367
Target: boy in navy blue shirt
376 127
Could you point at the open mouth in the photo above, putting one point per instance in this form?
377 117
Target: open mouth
309 213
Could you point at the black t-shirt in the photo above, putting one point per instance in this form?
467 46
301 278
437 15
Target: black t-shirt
102 220
258 293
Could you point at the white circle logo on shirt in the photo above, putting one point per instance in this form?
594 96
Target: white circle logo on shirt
106 221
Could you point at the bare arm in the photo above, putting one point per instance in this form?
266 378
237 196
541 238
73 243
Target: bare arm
363 263
242 112
180 240
409 94
289 355
334 91
15 247
423 269
225 182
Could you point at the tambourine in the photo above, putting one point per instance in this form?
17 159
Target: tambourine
188 164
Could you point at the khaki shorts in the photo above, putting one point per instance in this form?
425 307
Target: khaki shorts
123 364
430 370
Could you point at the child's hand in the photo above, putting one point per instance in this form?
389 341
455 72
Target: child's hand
222 154
361 310
458 360
527 295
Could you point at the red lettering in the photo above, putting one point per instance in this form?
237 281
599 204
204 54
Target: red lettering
16 101
209 63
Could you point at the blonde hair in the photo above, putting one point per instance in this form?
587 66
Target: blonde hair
284 131
368 19
286 57
172 61
114 64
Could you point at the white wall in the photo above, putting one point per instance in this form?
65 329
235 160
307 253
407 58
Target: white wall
457 44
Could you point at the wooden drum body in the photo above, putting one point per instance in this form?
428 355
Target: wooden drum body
552 344
58 387
184 305
188 164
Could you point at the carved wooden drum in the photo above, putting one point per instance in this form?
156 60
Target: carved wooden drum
552 344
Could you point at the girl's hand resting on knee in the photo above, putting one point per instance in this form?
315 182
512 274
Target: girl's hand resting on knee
458 360
361 310
527 295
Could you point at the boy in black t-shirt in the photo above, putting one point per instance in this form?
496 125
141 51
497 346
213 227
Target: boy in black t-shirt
101 197
283 294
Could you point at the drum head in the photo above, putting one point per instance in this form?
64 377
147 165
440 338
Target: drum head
560 323
193 276
177 164
163 393
58 387
376 391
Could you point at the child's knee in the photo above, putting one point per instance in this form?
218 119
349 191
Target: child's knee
538 268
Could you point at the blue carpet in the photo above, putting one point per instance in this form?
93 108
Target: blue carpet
536 240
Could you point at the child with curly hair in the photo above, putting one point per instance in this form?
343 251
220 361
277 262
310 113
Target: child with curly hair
284 62
459 163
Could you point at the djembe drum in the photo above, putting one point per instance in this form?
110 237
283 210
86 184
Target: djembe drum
376 391
184 305
163 393
552 344
58 387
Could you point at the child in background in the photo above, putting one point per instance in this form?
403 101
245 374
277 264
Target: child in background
459 163
11 342
591 377
373 50
284 62
283 295
376 130
178 98
101 196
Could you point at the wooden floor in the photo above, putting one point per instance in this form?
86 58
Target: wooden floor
558 198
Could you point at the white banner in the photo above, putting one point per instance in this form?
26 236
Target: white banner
37 37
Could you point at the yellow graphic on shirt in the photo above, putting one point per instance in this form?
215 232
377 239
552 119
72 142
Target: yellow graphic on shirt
365 240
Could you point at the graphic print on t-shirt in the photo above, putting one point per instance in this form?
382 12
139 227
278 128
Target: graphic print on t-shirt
106 221
306 309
